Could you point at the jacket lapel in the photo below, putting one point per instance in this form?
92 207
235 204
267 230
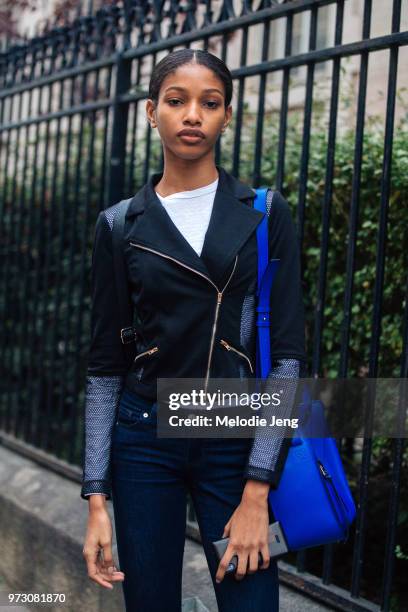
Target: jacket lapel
231 223
155 229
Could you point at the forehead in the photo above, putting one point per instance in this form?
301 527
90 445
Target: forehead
192 78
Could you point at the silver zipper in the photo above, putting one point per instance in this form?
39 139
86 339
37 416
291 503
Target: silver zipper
219 297
140 246
148 352
231 348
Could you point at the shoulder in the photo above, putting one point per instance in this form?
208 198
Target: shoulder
281 222
108 215
279 210
279 205
103 234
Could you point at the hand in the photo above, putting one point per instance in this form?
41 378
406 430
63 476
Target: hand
247 530
98 545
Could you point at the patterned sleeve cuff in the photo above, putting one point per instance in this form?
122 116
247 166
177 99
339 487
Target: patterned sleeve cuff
271 476
96 487
260 474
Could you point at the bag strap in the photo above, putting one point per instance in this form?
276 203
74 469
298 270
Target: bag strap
266 274
128 333
262 233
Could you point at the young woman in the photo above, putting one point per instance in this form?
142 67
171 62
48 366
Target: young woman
191 255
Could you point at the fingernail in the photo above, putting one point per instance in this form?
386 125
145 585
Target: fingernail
217 581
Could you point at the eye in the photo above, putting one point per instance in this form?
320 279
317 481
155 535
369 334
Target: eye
216 104
213 104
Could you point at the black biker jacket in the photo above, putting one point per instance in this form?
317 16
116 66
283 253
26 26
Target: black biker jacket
196 313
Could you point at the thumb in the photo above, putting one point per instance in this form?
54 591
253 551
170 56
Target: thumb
226 531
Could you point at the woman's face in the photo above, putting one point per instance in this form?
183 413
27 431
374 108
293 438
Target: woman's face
191 98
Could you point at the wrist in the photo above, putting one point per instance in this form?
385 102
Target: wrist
256 490
96 501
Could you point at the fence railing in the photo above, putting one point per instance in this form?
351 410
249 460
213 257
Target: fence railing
74 139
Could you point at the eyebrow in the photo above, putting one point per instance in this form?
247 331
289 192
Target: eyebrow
183 89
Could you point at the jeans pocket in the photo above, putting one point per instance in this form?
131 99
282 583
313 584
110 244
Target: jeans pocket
134 410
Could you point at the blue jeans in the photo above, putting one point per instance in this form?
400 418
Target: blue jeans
150 480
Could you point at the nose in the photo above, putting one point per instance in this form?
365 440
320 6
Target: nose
192 114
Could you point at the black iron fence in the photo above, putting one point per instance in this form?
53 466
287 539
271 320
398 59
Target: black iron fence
74 139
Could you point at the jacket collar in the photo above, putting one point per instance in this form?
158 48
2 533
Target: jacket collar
231 223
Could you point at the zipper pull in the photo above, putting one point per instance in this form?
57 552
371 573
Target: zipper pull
324 472
227 346
153 350
219 297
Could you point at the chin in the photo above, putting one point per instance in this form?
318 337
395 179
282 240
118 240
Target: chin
190 153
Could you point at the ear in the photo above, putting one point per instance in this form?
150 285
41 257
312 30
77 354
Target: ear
150 111
228 117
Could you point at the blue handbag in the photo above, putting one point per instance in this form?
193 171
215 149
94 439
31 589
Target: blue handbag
312 504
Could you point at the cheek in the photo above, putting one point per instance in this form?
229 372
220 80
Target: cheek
166 121
217 124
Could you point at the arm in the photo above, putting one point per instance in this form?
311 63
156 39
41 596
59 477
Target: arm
248 526
107 366
269 449
105 376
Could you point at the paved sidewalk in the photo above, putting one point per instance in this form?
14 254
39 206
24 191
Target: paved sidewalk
197 582
40 512
4 590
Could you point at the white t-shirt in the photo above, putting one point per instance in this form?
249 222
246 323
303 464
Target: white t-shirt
190 212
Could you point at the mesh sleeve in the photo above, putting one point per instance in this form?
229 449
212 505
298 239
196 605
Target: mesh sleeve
269 448
106 363
102 398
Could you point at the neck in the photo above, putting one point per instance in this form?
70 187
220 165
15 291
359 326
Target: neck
186 175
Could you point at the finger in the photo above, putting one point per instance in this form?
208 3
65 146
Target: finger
113 577
94 573
223 564
227 529
253 562
108 571
266 557
97 577
107 555
242 566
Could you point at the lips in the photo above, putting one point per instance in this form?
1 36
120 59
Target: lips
191 134
190 139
